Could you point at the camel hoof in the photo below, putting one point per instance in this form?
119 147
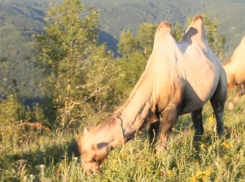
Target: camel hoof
231 106
160 149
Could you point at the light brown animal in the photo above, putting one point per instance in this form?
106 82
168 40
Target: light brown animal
179 78
235 71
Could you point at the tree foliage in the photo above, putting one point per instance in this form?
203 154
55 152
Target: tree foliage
75 67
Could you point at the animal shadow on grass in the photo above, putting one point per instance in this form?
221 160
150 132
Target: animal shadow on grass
50 155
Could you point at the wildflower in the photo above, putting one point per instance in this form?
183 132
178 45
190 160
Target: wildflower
211 120
202 145
149 168
58 170
207 172
169 172
198 174
193 179
204 175
226 145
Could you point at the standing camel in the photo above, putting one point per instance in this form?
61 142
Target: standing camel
235 72
179 78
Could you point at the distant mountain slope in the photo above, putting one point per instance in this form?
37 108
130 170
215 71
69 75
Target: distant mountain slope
117 15
20 19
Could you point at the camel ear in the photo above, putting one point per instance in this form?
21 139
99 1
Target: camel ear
85 131
101 145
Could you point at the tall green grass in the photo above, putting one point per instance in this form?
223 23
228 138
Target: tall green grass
50 156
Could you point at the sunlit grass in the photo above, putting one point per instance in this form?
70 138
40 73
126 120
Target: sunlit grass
48 156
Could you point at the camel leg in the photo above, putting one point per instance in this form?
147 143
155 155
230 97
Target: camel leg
240 91
169 117
153 128
218 104
197 122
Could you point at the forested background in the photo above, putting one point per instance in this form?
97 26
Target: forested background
68 61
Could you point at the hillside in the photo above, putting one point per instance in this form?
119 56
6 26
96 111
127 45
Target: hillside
19 20
125 14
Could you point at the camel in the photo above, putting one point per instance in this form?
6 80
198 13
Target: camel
179 78
234 69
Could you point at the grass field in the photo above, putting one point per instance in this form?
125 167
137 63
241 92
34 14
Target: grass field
48 156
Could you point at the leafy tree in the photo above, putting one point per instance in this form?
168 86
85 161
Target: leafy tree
178 32
11 110
3 77
145 37
75 67
131 64
127 44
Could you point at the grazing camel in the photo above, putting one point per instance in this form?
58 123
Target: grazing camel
179 78
236 73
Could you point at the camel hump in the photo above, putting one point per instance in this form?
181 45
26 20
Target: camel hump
163 29
165 24
197 23
195 30
198 18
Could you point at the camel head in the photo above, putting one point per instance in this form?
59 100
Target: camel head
92 152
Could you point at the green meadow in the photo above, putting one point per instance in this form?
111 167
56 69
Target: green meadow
44 155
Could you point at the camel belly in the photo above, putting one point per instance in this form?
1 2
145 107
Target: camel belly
239 74
200 85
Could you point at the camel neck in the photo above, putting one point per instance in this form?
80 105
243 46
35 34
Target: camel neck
109 133
131 116
133 113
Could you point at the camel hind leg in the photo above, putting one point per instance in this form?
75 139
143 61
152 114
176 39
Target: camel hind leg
240 91
153 128
169 117
218 103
